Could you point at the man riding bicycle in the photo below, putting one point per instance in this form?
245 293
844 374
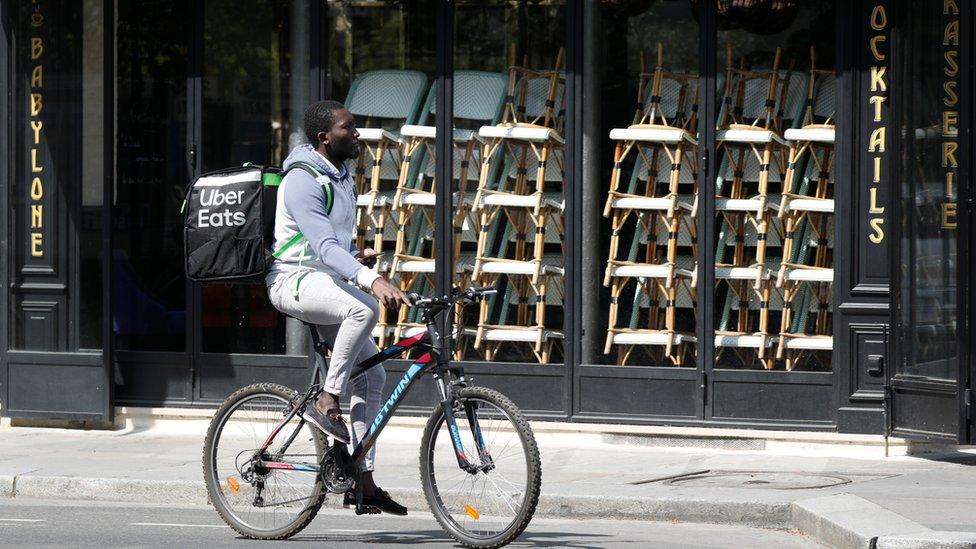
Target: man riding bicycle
310 280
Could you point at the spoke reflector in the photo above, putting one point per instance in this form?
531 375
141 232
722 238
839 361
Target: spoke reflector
233 484
472 512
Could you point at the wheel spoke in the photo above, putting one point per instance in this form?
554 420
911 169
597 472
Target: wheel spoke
492 506
237 432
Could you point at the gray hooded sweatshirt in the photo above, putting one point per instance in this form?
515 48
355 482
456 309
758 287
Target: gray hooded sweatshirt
328 245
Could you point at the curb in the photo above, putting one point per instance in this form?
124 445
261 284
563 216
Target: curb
745 513
846 521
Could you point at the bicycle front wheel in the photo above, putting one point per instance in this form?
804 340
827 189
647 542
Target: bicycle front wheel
493 505
261 502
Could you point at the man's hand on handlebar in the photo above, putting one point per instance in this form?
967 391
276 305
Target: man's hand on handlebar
389 295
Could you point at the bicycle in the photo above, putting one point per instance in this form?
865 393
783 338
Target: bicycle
268 471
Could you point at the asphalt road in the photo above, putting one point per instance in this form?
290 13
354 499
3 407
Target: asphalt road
44 523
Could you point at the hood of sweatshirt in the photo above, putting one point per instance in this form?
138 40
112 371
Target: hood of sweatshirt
305 153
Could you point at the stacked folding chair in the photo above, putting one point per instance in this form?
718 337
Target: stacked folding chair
519 207
757 104
478 100
657 211
744 326
807 212
382 101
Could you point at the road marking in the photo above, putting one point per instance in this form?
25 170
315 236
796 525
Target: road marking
20 520
177 525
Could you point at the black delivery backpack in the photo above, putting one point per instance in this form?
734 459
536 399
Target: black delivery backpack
228 223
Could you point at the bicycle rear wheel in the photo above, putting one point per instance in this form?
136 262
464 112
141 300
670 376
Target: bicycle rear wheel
259 502
491 507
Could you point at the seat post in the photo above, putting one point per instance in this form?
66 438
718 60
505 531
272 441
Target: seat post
320 366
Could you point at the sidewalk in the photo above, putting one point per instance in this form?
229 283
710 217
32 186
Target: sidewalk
841 501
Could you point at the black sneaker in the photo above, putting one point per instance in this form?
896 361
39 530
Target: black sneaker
330 423
379 501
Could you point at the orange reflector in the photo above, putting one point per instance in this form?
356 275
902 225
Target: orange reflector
472 512
233 484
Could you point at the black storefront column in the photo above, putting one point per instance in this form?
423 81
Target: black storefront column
57 111
862 277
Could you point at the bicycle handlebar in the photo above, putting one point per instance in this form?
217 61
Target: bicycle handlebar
469 295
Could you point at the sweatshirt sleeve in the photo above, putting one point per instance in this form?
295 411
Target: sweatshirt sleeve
306 203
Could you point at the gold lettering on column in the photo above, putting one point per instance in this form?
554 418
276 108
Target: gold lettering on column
879 18
37 216
875 42
950 116
37 241
877 100
877 79
877 235
877 141
36 104
949 120
36 192
875 209
951 97
34 167
952 63
949 215
37 189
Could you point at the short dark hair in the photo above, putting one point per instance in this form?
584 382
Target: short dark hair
319 117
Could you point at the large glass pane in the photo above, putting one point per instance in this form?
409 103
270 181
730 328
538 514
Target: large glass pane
382 58
509 110
56 287
644 206
148 282
929 192
774 204
255 88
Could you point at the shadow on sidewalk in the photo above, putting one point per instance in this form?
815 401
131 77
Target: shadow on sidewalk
527 539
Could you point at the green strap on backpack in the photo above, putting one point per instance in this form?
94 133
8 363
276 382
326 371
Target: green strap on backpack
272 179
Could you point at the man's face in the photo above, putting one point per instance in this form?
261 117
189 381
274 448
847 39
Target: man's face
342 139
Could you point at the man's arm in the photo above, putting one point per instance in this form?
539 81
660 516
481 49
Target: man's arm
305 200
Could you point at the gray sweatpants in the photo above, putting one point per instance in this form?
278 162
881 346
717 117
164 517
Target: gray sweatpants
345 316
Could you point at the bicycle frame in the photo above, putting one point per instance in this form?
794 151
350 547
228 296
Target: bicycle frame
431 362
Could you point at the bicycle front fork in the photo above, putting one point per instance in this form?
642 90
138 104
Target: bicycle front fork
448 402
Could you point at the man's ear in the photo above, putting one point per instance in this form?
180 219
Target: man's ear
323 137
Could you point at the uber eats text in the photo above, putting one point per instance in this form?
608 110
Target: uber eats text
214 198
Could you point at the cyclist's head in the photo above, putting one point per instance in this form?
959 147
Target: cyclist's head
328 124
319 117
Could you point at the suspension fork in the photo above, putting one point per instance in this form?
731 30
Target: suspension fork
448 399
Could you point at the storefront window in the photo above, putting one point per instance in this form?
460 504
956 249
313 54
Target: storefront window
382 58
930 191
509 180
774 207
647 67
152 171
255 88
55 198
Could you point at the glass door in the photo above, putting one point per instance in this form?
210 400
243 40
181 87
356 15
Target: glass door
149 316
254 83
930 337
772 180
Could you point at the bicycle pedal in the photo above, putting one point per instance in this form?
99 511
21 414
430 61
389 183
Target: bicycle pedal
367 510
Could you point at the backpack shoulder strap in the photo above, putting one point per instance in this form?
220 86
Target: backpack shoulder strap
320 177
